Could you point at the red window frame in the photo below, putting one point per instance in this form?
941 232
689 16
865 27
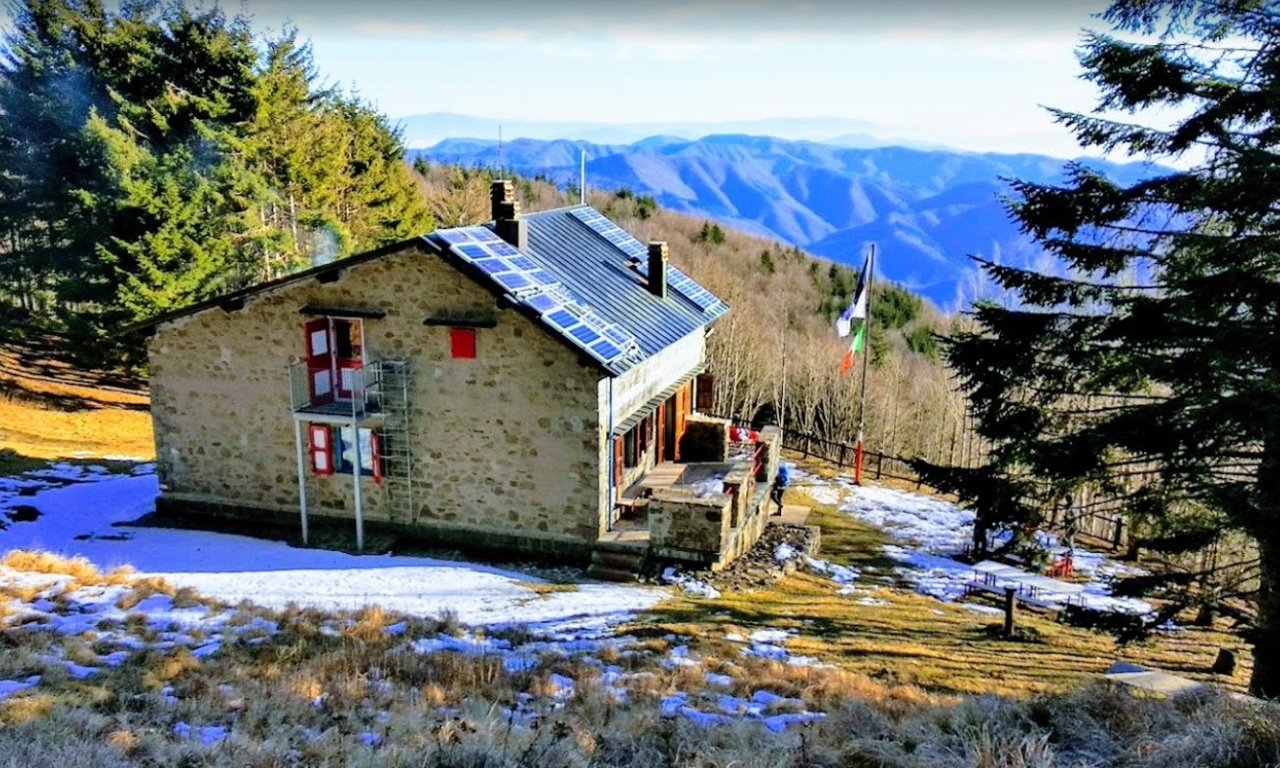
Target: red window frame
462 343
320 445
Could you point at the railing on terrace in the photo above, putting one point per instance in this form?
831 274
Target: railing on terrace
879 465
1100 526
360 392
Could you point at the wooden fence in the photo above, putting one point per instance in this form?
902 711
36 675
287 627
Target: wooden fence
874 464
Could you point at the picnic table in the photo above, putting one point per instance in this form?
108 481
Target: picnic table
1030 588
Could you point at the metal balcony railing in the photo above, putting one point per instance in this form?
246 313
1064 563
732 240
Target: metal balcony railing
356 393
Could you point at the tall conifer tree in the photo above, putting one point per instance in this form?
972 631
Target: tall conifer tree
1149 368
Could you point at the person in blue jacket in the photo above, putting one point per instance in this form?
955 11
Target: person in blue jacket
780 483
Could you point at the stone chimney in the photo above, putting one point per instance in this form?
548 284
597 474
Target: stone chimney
506 214
658 269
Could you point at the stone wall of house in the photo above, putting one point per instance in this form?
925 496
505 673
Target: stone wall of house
508 443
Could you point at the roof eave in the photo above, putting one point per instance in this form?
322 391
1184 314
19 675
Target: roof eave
234 300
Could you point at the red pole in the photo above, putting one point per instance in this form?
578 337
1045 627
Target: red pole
857 463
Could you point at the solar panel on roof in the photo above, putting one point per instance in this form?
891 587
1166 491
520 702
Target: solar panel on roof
542 277
616 334
494 265
606 349
472 251
584 334
542 302
512 281
454 236
528 283
611 232
483 235
562 319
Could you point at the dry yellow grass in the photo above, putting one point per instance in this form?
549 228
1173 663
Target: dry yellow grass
370 626
163 668
25 707
543 589
83 572
59 413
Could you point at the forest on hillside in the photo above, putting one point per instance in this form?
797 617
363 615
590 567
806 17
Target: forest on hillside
156 155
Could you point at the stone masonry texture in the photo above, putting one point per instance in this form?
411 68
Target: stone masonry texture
509 442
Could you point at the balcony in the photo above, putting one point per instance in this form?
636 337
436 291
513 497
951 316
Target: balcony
355 393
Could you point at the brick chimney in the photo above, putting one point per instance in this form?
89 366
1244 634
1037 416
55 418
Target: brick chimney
658 269
506 214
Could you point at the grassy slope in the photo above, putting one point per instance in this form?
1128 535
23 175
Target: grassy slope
50 411
915 640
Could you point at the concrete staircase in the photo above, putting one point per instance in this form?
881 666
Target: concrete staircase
615 561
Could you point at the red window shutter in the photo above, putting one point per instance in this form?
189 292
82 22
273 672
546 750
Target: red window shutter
321 442
617 461
318 346
462 343
375 442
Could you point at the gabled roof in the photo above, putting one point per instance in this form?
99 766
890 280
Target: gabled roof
585 280
579 275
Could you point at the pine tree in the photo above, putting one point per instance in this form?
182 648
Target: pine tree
153 156
1151 373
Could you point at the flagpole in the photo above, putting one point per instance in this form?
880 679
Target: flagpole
866 358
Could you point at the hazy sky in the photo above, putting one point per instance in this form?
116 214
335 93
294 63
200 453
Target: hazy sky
957 72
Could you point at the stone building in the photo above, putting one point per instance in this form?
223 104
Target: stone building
507 386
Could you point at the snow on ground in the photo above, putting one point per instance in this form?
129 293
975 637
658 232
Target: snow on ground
86 512
932 531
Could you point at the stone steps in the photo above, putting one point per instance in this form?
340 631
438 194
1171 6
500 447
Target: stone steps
613 562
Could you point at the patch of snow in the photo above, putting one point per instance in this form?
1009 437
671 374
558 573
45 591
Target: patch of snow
10 687
208 735
770 636
838 573
723 681
88 516
691 586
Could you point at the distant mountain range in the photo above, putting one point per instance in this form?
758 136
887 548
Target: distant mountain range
425 130
927 209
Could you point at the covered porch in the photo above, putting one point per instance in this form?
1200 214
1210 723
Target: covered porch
706 509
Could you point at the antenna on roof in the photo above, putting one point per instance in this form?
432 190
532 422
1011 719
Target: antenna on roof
582 182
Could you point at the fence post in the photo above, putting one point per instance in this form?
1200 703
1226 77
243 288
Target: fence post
879 464
1119 535
1010 605
842 449
806 445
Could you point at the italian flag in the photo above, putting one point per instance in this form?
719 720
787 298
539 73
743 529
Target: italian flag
854 319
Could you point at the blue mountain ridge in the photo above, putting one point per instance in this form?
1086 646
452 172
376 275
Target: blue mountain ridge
927 209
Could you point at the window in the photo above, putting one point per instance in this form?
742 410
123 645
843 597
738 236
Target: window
333 450
629 449
335 351
321 450
370 452
462 343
